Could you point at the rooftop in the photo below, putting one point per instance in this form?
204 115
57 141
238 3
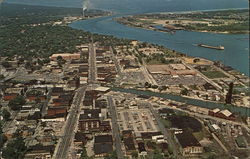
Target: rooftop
226 113
103 139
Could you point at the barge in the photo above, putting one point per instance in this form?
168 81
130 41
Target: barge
212 47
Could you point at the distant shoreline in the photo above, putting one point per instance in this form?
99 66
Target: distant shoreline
198 21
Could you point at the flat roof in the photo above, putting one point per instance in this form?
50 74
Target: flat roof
102 89
226 112
158 69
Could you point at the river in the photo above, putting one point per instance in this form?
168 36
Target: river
236 53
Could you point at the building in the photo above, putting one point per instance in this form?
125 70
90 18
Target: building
189 146
91 121
40 151
103 145
66 56
142 150
11 93
224 114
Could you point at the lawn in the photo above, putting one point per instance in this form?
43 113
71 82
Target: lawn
214 74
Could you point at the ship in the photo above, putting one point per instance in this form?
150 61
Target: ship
212 47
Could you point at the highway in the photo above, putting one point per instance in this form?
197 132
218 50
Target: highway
115 128
92 65
62 148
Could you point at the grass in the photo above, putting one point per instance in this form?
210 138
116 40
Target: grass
154 62
166 123
214 74
194 87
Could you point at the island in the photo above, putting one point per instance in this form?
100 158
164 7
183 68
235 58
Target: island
220 21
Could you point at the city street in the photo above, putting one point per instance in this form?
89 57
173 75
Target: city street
115 128
62 148
92 65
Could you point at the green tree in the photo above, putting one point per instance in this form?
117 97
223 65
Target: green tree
15 149
6 64
184 91
134 154
154 86
3 138
16 103
6 114
112 155
59 58
84 154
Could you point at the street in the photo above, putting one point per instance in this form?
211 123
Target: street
115 128
92 64
61 151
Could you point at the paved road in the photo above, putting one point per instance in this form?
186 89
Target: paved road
167 134
118 68
61 151
115 128
92 65
147 75
45 105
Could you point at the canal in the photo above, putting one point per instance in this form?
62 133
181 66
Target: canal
243 111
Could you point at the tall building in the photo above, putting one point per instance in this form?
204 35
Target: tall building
229 94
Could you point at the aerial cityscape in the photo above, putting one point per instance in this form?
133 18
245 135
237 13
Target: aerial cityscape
134 79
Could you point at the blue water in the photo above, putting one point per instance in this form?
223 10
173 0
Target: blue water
236 53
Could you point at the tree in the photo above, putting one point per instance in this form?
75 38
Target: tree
112 155
6 64
15 149
3 138
16 103
154 86
184 91
40 62
84 154
59 58
134 154
6 114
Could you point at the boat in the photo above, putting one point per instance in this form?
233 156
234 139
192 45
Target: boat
212 47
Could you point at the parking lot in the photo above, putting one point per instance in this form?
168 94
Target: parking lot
180 79
140 120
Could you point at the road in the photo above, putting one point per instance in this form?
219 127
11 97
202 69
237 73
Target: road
147 75
92 64
45 105
167 133
117 66
115 128
62 148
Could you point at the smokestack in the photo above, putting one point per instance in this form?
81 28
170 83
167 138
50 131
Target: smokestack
229 94
85 5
